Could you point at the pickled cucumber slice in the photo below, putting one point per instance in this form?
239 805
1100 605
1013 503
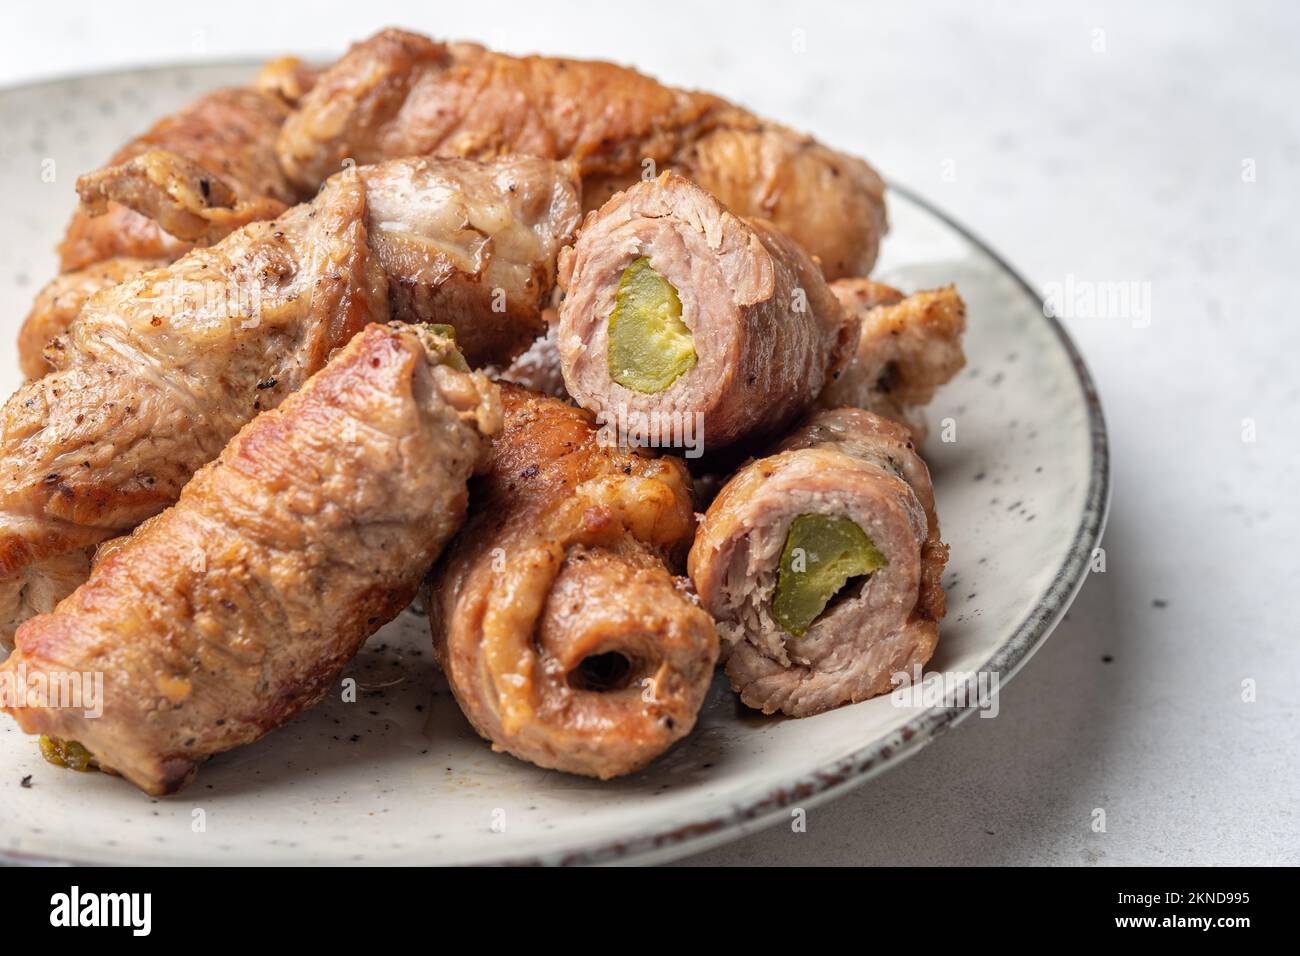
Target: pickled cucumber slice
66 753
822 554
649 344
454 358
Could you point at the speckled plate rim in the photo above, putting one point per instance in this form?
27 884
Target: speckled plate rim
197 63
832 780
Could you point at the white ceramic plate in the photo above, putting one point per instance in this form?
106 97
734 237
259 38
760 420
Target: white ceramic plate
398 777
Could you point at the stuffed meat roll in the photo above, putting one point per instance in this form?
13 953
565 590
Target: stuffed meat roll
821 565
60 301
231 133
228 133
473 244
556 617
457 237
401 94
675 309
156 374
908 346
236 608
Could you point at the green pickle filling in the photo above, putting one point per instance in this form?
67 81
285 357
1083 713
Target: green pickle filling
66 753
649 344
822 554
454 358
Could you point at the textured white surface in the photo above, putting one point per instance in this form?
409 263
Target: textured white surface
1108 156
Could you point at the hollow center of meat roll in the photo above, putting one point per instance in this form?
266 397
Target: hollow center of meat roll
610 671
650 346
825 556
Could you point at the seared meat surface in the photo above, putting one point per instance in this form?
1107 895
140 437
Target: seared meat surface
183 198
230 133
556 618
252 430
226 137
830 203
402 94
844 465
237 607
473 245
60 301
765 332
288 78
908 347
157 373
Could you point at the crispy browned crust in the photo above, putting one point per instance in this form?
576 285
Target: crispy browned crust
230 132
399 94
237 608
287 77
567 556
909 345
830 203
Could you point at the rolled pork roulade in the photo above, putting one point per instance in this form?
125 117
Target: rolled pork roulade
155 375
400 94
565 636
677 311
60 301
908 346
237 608
821 564
231 133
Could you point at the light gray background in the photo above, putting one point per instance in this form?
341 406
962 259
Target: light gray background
1158 145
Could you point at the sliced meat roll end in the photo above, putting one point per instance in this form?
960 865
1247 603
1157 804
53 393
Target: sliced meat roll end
754 325
556 616
869 611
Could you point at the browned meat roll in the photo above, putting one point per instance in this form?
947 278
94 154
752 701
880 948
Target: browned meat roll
473 244
287 77
156 374
909 345
238 607
185 199
457 237
675 309
562 632
821 566
231 133
60 301
402 94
